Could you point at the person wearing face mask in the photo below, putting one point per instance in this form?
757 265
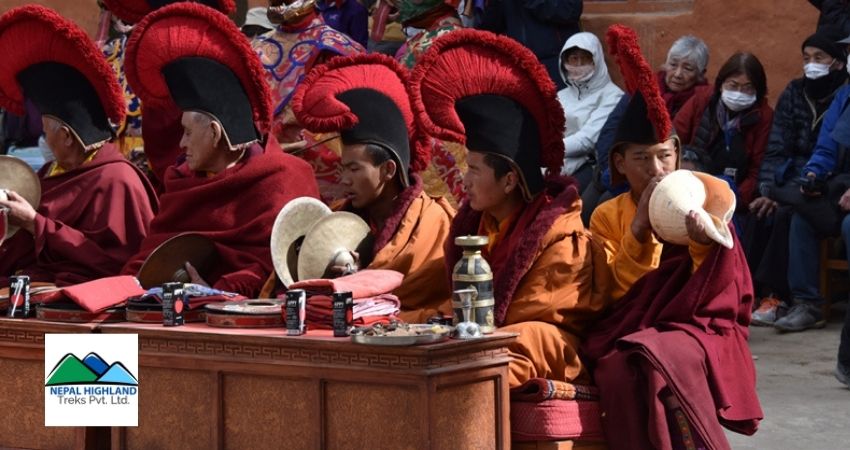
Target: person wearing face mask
729 126
588 99
796 122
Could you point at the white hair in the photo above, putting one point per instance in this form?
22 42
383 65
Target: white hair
690 48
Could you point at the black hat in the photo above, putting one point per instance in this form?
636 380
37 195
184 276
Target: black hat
502 126
60 91
204 85
827 39
380 122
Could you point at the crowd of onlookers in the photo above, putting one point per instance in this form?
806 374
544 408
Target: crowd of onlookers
787 164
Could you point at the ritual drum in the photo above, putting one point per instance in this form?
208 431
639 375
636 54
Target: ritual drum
72 313
259 313
473 272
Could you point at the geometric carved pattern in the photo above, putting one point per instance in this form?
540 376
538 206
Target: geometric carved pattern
346 356
22 336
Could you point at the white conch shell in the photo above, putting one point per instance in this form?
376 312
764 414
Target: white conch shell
683 191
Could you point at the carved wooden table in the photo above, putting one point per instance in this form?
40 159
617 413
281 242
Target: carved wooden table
202 387
22 389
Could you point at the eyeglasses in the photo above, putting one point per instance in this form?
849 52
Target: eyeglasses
747 88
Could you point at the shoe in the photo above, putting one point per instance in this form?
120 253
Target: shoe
842 374
801 317
767 312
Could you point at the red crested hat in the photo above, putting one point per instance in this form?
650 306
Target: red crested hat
492 94
133 11
646 120
53 63
195 57
366 98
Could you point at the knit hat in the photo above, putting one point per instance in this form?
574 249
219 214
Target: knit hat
827 41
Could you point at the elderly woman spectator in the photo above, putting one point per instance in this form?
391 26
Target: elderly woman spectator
681 77
588 99
729 126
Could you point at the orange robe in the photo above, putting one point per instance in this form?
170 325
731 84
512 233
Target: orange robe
627 258
543 284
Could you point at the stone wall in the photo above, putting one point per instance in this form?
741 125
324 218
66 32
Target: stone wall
772 29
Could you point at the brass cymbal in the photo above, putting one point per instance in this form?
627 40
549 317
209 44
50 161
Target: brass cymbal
166 262
18 176
291 225
329 242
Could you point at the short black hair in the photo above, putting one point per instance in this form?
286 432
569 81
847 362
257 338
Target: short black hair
500 165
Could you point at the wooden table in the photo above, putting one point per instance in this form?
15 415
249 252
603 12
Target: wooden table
22 389
213 388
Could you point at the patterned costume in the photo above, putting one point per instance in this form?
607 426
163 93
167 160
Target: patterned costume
288 53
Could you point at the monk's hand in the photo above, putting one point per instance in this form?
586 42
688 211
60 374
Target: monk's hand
763 207
21 213
194 276
844 201
641 226
340 270
696 229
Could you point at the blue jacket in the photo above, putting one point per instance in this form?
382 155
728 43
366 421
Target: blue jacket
834 134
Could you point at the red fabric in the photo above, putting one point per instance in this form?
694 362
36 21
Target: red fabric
365 283
320 311
161 136
189 29
687 123
675 100
638 76
104 293
4 224
492 65
556 420
690 333
132 11
235 209
317 108
33 34
91 220
511 258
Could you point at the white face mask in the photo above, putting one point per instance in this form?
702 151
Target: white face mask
46 153
579 74
814 71
737 101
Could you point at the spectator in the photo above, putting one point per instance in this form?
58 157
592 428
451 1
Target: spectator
833 12
729 126
588 99
805 235
681 76
540 25
796 123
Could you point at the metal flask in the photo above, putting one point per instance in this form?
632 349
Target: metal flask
473 272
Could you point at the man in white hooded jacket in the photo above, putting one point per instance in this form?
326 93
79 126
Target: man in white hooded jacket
588 99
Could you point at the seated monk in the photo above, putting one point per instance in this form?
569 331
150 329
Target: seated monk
365 99
671 359
95 206
229 186
507 114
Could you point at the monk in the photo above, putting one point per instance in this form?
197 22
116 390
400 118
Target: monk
539 252
382 153
232 179
95 206
671 358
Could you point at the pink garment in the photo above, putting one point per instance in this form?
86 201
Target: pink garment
365 283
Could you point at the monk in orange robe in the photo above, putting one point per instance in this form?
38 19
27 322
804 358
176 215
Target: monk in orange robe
507 114
365 98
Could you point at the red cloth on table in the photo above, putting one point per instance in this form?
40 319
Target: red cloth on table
362 284
91 220
367 311
96 295
235 209
686 333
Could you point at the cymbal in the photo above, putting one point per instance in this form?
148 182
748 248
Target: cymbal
18 176
166 262
329 242
291 225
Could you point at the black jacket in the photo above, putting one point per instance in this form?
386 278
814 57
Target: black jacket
541 25
835 13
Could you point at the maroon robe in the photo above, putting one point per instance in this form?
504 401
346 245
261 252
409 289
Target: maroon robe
235 209
682 334
91 220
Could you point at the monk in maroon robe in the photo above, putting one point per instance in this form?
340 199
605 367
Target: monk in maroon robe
95 206
228 186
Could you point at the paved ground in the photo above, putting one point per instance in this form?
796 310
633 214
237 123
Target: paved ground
805 407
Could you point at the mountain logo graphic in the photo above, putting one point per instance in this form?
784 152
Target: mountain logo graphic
90 370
